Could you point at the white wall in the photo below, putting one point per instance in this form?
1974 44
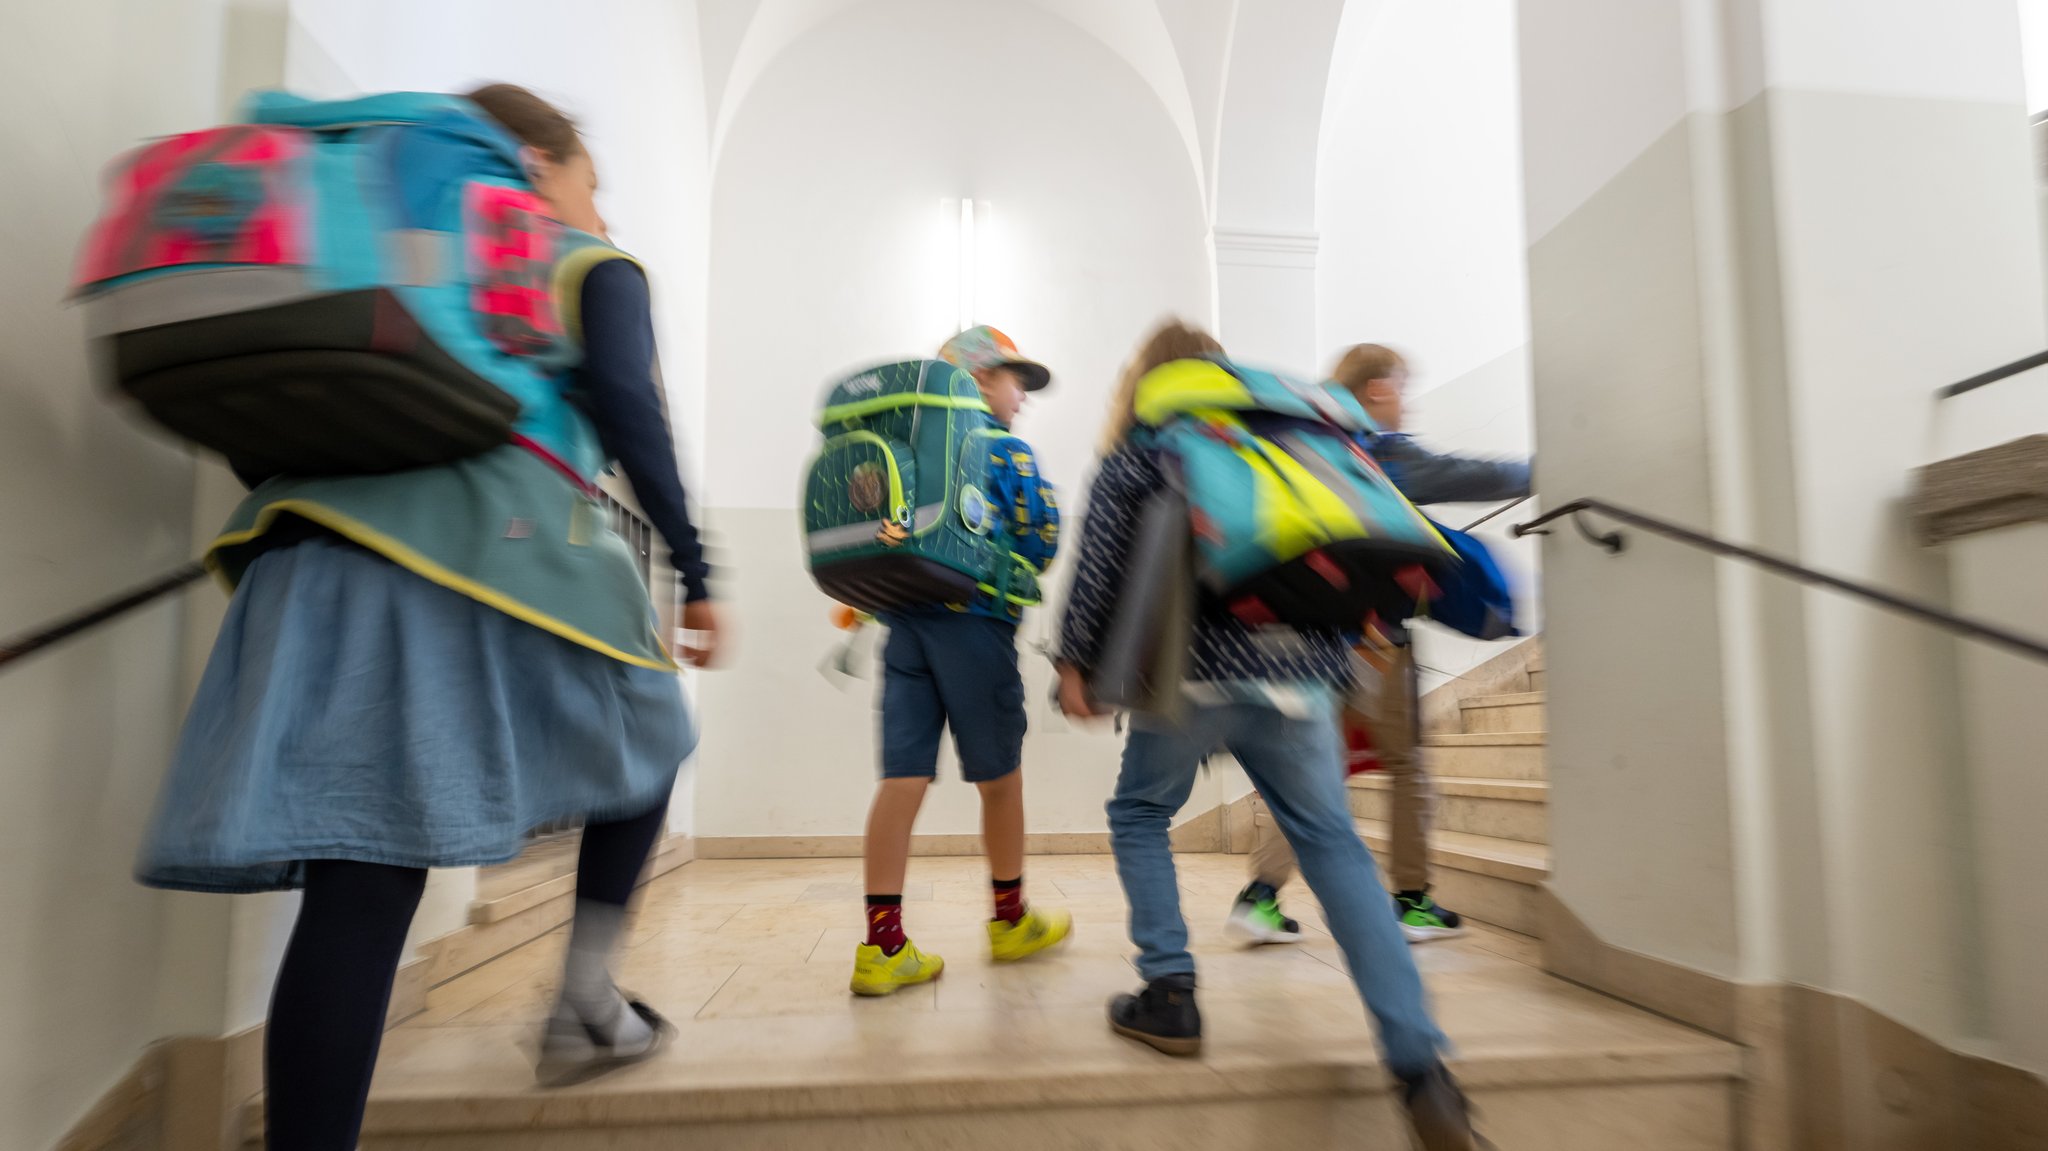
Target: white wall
1419 208
830 249
93 504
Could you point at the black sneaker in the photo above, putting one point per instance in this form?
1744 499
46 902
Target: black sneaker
1424 919
1439 1113
1162 1016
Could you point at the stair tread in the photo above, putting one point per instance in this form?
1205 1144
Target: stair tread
1503 858
1489 739
1522 790
1517 699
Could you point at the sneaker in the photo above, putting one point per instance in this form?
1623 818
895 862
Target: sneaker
1163 1016
1438 1111
573 1050
1424 919
1256 918
1038 930
876 972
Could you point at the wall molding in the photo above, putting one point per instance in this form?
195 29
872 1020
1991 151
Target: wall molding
1826 1071
128 1117
1999 487
1264 247
195 1093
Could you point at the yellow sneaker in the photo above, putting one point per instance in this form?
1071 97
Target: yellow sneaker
1038 930
875 973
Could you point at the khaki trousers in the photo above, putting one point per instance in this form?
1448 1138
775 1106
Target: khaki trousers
1391 713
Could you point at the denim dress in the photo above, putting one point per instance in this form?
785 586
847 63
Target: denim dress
353 710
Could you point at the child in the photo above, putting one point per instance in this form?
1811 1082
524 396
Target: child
1269 697
360 722
957 666
1378 377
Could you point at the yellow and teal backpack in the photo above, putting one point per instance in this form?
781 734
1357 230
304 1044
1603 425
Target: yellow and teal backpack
1292 520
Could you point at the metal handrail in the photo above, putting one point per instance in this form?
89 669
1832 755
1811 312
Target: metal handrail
23 646
1511 505
1891 601
1993 376
637 532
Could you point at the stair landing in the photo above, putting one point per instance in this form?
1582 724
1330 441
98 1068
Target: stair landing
750 959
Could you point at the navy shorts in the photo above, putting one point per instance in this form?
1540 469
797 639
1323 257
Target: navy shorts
956 670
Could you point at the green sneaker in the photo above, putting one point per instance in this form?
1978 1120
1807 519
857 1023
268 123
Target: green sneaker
1256 918
1424 919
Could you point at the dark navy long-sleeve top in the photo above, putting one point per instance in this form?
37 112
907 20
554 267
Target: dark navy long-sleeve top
617 388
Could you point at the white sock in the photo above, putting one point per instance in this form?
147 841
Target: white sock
587 987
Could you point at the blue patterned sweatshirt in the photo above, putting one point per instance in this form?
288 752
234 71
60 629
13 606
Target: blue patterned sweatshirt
1226 651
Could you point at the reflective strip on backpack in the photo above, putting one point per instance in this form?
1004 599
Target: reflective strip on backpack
193 295
855 535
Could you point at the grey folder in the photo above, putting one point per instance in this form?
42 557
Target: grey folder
1146 652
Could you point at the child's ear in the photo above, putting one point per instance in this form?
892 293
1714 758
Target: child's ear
1380 391
533 163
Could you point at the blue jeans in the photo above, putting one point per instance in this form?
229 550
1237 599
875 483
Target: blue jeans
1298 767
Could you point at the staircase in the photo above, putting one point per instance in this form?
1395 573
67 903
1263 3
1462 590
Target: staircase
1489 840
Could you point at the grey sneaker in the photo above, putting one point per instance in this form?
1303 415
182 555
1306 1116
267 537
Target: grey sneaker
573 1051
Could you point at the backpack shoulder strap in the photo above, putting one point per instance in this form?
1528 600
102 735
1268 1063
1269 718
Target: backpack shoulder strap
585 252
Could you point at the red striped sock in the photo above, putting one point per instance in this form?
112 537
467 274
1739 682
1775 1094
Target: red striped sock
885 923
1010 899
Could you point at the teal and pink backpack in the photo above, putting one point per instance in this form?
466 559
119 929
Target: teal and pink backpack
341 287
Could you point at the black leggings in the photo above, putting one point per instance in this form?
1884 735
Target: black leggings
334 988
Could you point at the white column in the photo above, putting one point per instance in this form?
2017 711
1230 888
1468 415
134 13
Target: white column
1762 233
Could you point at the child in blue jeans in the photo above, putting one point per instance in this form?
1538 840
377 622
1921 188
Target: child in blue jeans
1269 697
956 666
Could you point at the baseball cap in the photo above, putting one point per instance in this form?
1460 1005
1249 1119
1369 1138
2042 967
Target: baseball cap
985 347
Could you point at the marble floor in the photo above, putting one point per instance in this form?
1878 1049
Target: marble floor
750 959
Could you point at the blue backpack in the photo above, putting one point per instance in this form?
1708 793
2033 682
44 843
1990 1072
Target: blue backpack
1472 597
340 287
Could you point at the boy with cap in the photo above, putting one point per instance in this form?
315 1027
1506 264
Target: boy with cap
956 666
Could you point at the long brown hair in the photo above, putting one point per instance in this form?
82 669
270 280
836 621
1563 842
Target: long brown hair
1174 339
537 123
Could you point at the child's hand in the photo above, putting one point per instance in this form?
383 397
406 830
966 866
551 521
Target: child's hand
702 618
1074 701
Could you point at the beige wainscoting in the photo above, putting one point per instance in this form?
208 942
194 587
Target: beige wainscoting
1826 1071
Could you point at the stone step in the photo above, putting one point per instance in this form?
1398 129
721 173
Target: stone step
772 1052
1496 714
1489 755
1536 679
1500 808
1493 881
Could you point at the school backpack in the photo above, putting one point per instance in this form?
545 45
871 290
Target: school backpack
1472 597
337 287
1293 522
897 504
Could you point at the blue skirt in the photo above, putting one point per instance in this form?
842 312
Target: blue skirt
353 710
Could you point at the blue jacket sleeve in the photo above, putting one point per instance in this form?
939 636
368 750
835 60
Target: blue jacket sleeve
618 391
1426 477
1127 477
1030 505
